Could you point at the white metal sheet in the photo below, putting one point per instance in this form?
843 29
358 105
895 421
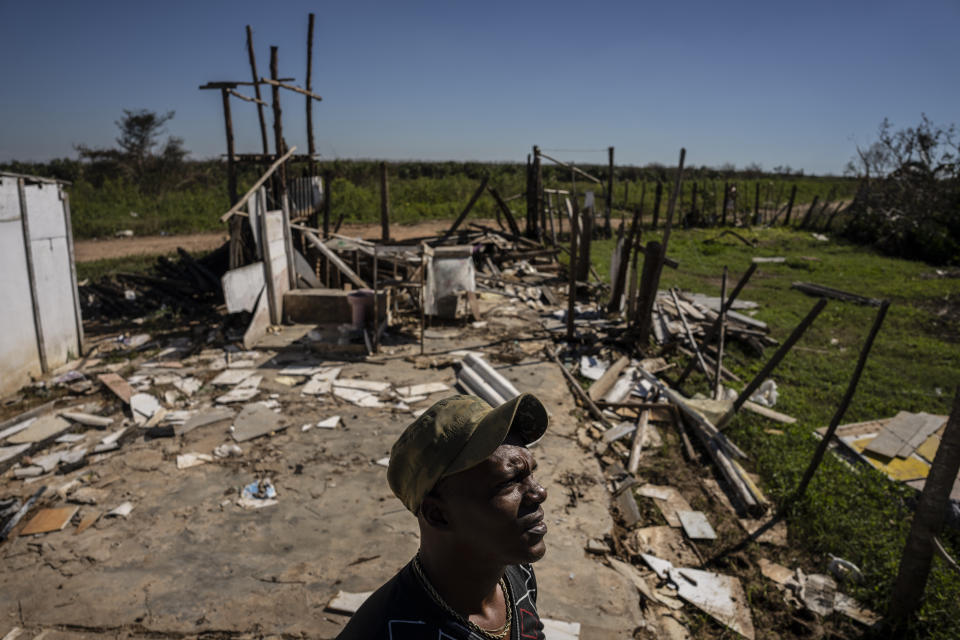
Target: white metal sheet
275 251
9 199
19 356
52 273
242 286
45 211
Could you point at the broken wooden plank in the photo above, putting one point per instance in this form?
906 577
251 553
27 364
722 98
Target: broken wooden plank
117 385
466 211
42 428
48 520
600 388
818 290
335 260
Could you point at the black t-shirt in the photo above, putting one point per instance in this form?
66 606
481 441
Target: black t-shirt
403 610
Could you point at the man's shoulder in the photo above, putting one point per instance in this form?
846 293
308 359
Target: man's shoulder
395 610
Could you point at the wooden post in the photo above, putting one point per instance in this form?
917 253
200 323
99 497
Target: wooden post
606 222
693 199
311 147
806 218
534 195
376 295
756 203
327 204
671 205
256 92
793 194
423 293
648 291
586 237
773 362
281 174
514 228
656 204
928 521
632 286
572 292
726 203
844 403
620 277
236 223
384 204
723 335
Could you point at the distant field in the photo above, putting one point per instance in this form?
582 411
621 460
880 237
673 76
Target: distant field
418 191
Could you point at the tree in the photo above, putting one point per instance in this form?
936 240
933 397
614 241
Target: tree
136 156
908 202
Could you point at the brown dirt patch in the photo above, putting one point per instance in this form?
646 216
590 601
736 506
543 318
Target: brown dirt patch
89 250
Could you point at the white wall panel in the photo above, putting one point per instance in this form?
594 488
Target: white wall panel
51 264
19 356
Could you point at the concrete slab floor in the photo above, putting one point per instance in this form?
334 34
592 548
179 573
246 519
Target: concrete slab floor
189 561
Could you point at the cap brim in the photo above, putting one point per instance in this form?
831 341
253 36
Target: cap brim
524 415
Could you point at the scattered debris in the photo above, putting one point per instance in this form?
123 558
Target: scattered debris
257 495
121 511
48 520
187 460
255 420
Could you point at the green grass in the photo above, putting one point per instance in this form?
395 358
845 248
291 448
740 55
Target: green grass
913 366
418 190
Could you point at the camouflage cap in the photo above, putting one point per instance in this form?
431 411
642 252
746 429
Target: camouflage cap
454 435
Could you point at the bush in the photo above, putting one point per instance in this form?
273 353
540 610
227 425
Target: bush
908 202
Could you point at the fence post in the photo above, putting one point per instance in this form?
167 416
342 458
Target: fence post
384 203
793 195
656 204
927 523
609 211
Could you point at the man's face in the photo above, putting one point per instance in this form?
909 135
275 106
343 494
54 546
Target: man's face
493 509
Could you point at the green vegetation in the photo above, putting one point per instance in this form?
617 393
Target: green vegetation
908 203
857 514
104 196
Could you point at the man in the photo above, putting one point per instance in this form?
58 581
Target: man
465 471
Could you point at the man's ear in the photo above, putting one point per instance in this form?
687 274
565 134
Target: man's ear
433 512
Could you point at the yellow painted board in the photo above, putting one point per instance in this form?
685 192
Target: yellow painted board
901 469
929 448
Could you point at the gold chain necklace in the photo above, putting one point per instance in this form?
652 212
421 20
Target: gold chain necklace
494 634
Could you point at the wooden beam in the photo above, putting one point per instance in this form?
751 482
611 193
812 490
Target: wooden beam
773 362
571 167
290 87
256 88
237 94
501 203
466 211
233 85
280 184
335 260
311 148
256 185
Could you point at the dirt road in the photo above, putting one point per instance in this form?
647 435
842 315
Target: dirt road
89 250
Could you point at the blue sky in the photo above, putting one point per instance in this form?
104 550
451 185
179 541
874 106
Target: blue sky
796 84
